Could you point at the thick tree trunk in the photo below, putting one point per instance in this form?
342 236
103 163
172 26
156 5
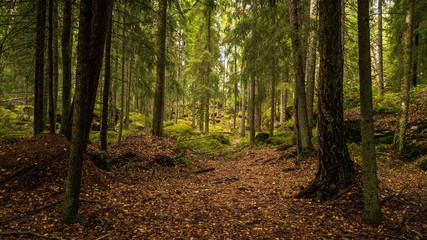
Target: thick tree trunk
242 123
107 82
39 68
66 64
369 165
303 126
159 95
405 86
311 64
92 31
380 49
335 169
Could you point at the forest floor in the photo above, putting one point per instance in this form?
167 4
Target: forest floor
242 194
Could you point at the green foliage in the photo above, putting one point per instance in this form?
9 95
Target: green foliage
388 104
180 130
15 121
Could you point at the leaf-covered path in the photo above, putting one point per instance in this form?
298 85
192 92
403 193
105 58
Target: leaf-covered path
248 195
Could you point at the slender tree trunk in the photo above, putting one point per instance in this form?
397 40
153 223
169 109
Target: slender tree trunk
55 58
380 49
273 92
311 64
122 91
252 111
257 114
208 70
128 100
107 82
159 95
39 69
66 64
92 31
303 126
335 170
369 165
235 87
242 124
52 110
414 71
405 86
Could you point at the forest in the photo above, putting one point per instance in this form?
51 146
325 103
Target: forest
213 119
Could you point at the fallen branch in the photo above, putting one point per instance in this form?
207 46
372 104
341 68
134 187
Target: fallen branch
205 170
30 234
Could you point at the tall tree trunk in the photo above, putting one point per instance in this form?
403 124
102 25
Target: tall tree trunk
335 169
380 49
92 31
242 124
405 86
369 165
122 91
55 57
39 68
128 100
415 54
66 64
311 64
257 112
208 69
107 81
252 110
303 126
52 110
159 95
273 92
235 87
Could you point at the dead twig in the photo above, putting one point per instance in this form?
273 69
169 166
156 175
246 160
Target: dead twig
102 237
30 234
20 172
205 170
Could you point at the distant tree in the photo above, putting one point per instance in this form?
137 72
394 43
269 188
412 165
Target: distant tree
159 95
39 69
310 72
92 32
400 133
107 81
301 106
335 169
66 63
369 165
380 49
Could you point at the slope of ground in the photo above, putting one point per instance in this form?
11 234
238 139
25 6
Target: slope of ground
248 196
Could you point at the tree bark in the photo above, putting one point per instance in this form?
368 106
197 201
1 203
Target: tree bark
107 82
311 64
159 95
39 68
405 86
52 110
303 126
252 110
335 169
122 89
380 49
66 64
242 123
272 98
92 32
369 165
